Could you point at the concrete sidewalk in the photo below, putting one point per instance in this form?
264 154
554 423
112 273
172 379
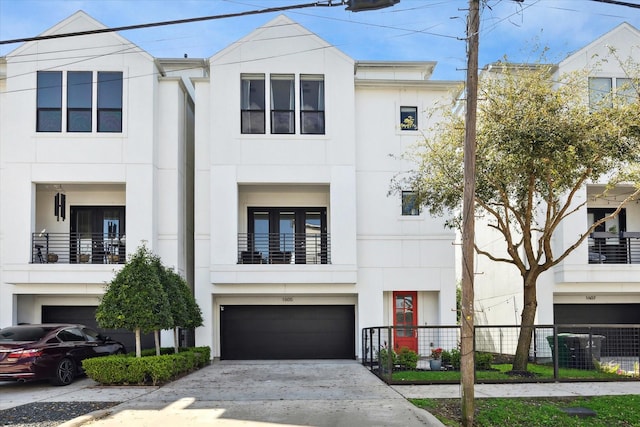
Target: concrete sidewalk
278 393
454 391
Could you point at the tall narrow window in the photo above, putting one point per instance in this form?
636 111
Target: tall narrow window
49 103
79 101
410 204
409 118
252 105
599 92
109 101
312 104
282 104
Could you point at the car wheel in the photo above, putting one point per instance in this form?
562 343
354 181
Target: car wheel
65 372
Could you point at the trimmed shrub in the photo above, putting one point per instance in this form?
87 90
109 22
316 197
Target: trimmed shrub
127 370
483 360
451 358
407 358
383 357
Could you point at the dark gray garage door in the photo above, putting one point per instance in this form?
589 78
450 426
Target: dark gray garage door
619 341
250 332
596 313
86 315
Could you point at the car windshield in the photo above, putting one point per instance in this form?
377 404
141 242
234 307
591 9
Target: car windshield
23 333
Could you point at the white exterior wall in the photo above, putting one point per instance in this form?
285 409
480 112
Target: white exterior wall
396 252
142 168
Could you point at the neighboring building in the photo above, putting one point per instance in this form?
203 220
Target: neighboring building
599 282
298 245
96 158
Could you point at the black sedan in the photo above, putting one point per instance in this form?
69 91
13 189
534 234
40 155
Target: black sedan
50 351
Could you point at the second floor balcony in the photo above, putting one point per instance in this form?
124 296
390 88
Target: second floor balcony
78 248
284 248
614 248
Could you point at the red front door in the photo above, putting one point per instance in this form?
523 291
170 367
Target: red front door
405 320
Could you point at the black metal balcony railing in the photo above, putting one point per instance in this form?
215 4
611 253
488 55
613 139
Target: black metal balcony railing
283 248
78 248
614 248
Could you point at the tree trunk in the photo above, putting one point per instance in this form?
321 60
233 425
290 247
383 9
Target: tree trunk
521 358
156 338
176 339
138 344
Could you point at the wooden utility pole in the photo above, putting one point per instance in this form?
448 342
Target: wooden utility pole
467 356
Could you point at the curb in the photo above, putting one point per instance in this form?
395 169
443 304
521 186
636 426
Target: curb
87 418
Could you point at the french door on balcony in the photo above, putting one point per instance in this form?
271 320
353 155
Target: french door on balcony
97 234
606 244
288 235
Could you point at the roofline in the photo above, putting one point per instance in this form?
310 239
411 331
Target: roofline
195 62
431 84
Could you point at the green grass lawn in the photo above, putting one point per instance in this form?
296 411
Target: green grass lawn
618 411
539 372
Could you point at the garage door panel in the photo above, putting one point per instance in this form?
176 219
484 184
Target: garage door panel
619 341
86 315
287 332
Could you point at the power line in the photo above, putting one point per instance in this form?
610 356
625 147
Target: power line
326 3
619 3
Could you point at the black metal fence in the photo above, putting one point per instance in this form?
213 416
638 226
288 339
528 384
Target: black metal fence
557 353
78 248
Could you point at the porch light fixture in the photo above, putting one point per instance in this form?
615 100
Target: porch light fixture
59 206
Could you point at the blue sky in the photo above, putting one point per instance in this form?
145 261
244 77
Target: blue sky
413 30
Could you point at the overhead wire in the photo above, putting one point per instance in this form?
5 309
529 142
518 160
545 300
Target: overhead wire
296 9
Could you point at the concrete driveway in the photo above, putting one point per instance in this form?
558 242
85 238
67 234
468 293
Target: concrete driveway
268 393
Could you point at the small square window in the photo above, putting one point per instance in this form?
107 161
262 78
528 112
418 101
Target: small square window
410 205
409 118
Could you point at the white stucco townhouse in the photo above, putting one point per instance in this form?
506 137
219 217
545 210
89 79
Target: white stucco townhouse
599 283
298 245
96 158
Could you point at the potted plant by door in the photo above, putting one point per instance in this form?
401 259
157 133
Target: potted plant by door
436 362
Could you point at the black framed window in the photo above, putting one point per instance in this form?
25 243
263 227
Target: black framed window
79 96
252 103
410 205
312 117
282 104
49 101
284 235
409 118
109 101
